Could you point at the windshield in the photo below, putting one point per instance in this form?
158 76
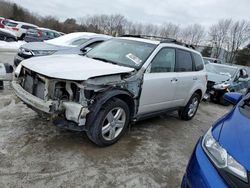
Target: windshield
222 70
123 52
72 39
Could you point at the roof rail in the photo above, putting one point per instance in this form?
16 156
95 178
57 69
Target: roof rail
161 39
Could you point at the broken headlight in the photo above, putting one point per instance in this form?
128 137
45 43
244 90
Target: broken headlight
221 86
43 52
221 158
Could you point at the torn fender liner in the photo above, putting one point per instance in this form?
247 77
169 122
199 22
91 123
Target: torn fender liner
44 106
75 112
64 124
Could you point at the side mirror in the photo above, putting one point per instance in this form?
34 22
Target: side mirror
85 50
233 97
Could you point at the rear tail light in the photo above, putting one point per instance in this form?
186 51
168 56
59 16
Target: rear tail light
15 29
1 25
39 33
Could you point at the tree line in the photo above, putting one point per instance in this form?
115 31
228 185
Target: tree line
226 34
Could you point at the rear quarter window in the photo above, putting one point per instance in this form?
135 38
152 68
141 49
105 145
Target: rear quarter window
198 63
184 62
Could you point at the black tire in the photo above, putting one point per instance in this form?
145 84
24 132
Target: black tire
214 100
223 102
10 40
22 37
95 129
184 113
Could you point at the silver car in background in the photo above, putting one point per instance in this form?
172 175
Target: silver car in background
73 43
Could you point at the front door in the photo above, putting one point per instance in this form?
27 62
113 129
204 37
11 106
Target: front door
159 83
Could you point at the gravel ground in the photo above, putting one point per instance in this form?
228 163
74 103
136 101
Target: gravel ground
154 153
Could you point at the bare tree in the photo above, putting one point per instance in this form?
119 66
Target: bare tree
115 24
107 24
170 30
193 34
238 35
6 9
218 35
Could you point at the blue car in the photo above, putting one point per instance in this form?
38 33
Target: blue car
221 157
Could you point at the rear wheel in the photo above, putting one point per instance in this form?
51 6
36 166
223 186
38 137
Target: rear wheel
22 37
10 40
110 124
189 111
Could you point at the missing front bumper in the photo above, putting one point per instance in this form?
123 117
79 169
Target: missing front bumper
31 100
73 112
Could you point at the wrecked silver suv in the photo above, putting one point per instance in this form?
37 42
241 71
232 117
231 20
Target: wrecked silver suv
118 82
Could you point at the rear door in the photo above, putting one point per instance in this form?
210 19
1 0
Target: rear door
159 83
185 76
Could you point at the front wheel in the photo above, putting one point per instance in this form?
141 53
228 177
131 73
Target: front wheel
110 124
189 111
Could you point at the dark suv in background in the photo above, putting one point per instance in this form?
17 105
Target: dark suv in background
40 34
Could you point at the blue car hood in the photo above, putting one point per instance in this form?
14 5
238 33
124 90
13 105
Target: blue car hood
235 136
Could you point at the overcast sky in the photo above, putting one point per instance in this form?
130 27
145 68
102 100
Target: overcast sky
183 12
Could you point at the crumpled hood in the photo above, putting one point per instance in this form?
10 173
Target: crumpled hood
217 78
234 137
72 67
42 46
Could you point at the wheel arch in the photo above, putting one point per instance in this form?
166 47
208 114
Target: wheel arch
199 92
102 98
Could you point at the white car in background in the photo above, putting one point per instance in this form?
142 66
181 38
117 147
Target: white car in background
19 28
73 43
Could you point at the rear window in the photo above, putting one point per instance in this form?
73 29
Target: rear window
78 42
184 62
198 62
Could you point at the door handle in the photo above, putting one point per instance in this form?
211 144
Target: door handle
174 80
195 78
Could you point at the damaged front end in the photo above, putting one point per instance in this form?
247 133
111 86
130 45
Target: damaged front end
69 102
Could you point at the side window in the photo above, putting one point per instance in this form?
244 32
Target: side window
184 61
27 27
198 62
56 34
50 34
164 61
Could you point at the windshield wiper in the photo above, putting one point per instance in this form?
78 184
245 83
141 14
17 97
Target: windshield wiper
103 59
